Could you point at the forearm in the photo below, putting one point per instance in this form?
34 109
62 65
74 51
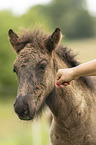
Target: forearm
85 69
64 76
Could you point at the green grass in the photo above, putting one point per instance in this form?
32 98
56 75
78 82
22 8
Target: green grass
16 132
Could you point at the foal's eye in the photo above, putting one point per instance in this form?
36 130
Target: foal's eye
43 65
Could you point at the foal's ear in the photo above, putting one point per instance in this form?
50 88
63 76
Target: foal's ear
13 37
17 43
53 40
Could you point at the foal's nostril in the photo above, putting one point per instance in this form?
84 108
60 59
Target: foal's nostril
22 110
26 110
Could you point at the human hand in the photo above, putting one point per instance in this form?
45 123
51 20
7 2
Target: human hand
64 77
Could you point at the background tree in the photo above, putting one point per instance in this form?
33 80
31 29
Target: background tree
71 16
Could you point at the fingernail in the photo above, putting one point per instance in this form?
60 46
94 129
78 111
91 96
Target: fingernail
57 84
65 84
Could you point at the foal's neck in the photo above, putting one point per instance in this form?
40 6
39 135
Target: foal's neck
69 102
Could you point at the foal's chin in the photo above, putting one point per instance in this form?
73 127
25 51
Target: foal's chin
31 113
28 117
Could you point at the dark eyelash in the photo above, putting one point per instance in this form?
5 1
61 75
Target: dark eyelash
43 66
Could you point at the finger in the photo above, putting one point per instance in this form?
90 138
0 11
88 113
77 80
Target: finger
62 86
60 81
58 76
65 84
69 83
57 86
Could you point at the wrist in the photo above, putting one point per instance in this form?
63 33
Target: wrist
75 73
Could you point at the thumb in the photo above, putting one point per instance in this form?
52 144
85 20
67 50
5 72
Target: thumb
58 76
60 81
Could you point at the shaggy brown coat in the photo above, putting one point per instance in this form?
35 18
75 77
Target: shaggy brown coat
73 107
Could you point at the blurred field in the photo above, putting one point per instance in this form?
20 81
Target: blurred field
84 48
16 132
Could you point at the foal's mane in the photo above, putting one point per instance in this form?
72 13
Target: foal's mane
37 36
68 57
33 36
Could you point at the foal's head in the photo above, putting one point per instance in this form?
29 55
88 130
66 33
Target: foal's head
35 70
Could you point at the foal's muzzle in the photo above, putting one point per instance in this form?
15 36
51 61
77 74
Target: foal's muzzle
23 108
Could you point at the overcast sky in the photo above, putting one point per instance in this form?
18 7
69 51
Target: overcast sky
19 7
